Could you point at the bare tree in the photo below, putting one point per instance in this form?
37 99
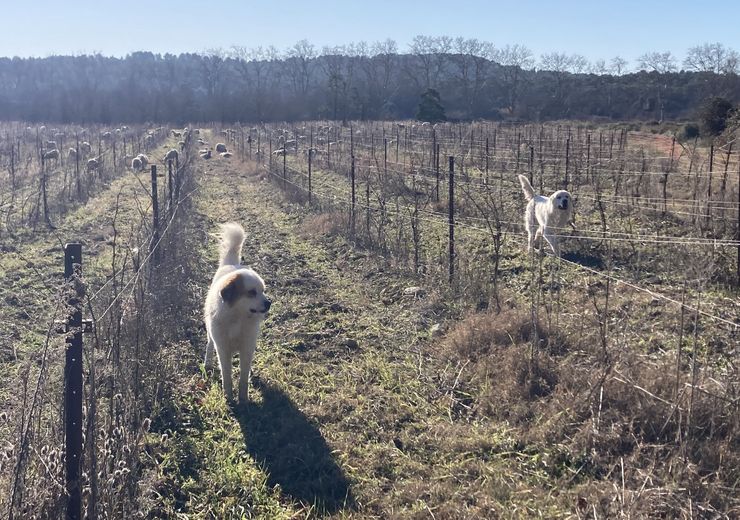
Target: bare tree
256 66
338 63
599 68
421 69
514 59
712 57
299 65
661 62
618 65
471 67
561 66
379 62
212 66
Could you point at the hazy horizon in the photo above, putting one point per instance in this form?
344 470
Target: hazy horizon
572 27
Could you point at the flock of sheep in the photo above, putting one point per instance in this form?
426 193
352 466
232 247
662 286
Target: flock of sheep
52 153
205 153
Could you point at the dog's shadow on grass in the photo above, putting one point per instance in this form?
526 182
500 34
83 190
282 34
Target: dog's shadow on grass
292 451
585 259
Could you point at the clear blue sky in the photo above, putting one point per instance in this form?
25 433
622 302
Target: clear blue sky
594 28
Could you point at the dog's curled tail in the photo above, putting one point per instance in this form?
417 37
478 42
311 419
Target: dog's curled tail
526 187
232 239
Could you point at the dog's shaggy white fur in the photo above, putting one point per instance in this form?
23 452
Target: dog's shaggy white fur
235 306
549 215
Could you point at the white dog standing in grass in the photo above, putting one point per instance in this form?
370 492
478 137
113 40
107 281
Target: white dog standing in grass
235 306
549 215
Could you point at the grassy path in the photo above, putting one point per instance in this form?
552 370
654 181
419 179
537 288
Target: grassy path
348 416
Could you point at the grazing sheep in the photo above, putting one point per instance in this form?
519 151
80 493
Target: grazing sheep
279 152
85 147
205 154
144 159
225 155
92 165
106 136
175 133
136 164
72 154
51 155
220 147
171 155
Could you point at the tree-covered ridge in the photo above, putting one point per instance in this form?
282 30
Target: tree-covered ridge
474 80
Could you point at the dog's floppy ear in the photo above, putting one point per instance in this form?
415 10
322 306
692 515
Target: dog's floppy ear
232 289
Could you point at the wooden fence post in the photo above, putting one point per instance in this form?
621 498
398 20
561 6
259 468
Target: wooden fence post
310 153
436 173
709 184
77 167
567 162
451 217
385 160
487 150
155 215
352 207
169 184
738 224
531 164
73 383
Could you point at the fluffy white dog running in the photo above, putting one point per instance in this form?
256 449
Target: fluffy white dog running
235 306
549 215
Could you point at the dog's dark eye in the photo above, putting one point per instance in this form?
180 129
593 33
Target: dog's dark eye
251 293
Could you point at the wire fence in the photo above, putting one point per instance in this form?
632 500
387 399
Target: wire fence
140 269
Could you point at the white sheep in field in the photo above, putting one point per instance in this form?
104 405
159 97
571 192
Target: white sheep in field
92 165
72 154
143 158
225 155
205 154
51 155
171 155
106 136
279 152
85 147
136 164
220 147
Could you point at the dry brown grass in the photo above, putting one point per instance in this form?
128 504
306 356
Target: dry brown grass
609 425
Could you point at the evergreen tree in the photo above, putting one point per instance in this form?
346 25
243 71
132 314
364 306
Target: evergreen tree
714 115
430 107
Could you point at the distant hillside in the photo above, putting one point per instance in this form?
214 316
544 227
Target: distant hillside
192 87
